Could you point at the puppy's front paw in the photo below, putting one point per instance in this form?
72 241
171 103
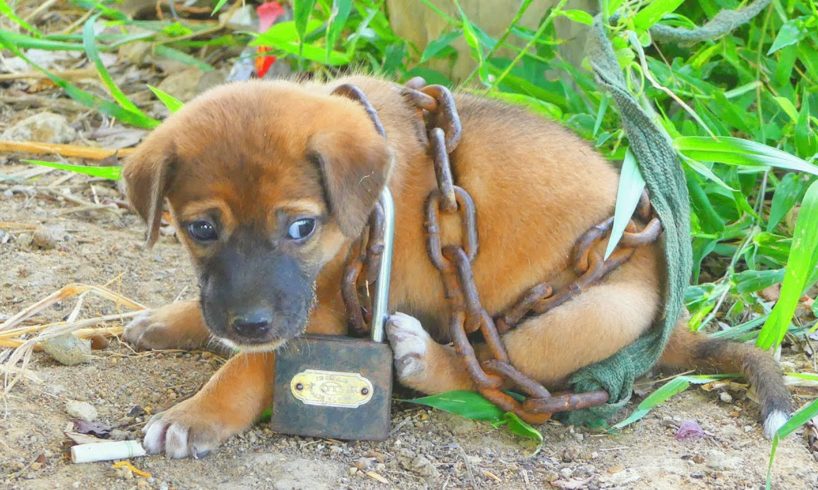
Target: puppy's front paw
185 430
410 344
174 326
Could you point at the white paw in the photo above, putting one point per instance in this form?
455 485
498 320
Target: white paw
410 345
146 332
180 434
774 421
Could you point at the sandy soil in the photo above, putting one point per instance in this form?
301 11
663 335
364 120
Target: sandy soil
427 448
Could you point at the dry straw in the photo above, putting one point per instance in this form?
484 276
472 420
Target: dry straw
25 339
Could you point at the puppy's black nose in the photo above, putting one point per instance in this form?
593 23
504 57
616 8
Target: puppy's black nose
253 323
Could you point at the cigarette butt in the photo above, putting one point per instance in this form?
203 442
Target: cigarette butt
106 451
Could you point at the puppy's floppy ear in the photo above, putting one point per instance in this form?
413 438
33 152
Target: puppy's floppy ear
148 174
353 171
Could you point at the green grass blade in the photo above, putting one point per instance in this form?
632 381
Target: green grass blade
171 103
798 419
9 13
667 391
737 151
631 185
218 7
25 41
182 57
801 264
337 20
104 172
85 98
93 55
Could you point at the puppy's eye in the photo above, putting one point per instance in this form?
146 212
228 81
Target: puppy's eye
301 228
202 231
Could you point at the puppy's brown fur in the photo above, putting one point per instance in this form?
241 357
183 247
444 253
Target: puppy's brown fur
258 154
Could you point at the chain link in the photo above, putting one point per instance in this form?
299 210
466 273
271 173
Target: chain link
436 106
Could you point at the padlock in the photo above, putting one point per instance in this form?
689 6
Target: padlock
340 387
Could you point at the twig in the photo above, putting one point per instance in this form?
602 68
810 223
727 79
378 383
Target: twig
86 152
69 74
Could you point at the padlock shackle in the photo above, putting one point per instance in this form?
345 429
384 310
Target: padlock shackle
380 304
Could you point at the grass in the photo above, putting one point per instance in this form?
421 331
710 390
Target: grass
741 110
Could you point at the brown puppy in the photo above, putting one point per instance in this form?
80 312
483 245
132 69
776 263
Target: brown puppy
270 182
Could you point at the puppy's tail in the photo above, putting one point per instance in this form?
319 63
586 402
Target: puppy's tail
689 350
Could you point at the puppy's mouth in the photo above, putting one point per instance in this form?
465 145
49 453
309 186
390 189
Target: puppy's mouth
270 346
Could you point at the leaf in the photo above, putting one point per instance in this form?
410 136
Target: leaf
798 419
788 107
750 281
301 16
283 37
667 391
9 13
436 46
93 55
218 7
653 12
804 136
469 404
800 268
521 428
104 172
789 34
85 98
172 103
787 192
337 20
580 16
737 151
631 185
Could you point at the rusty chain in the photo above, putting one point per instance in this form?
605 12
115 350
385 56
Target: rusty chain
436 107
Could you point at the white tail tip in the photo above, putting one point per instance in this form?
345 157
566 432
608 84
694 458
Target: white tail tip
774 421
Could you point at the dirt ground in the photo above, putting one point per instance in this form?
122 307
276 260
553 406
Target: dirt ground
427 449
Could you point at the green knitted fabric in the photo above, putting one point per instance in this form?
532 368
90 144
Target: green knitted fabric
722 23
668 193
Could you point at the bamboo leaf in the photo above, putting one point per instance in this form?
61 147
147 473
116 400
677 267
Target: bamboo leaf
469 404
737 151
631 185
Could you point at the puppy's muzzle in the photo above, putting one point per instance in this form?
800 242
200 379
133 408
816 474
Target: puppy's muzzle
253 324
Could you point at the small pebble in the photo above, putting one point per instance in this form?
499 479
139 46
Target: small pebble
81 410
68 349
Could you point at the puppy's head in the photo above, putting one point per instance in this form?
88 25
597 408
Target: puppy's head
266 182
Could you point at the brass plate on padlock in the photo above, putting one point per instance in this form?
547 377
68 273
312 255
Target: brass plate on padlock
331 388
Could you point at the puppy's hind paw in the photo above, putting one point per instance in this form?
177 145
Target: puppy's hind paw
410 346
